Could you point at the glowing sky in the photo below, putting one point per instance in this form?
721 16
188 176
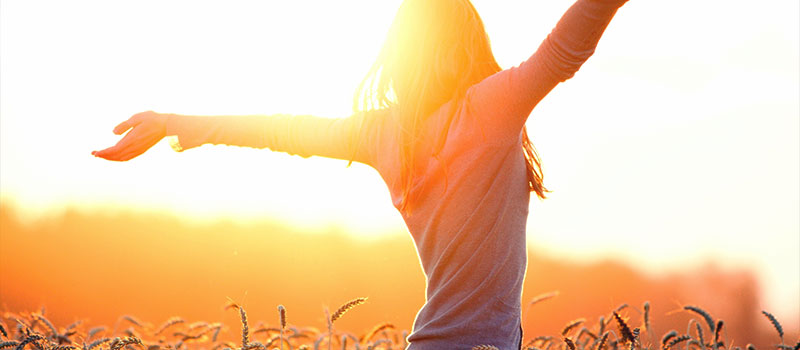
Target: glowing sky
678 141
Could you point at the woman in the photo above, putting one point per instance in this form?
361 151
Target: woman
445 129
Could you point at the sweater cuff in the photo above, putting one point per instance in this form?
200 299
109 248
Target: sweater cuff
176 125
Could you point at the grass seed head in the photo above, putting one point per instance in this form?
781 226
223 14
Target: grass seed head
587 332
65 347
700 336
32 338
133 320
485 347
667 337
542 297
8 344
344 308
169 323
97 342
376 329
570 326
282 313
570 343
774 322
602 341
624 329
701 312
40 317
678 340
245 328
119 343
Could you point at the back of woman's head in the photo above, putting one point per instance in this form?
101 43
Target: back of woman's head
434 51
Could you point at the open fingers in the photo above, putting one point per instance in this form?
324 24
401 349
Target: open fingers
133 144
114 152
131 122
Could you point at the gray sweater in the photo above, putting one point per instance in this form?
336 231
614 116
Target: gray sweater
470 202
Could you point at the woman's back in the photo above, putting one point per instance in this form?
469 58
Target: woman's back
467 219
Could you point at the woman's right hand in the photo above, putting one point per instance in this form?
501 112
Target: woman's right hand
148 128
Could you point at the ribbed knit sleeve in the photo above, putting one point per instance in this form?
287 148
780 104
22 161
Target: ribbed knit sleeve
508 97
303 135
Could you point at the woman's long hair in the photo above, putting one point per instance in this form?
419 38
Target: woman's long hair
434 51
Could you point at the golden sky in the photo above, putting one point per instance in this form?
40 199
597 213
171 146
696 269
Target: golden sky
678 142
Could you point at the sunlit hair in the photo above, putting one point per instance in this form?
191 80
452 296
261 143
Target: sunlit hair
434 51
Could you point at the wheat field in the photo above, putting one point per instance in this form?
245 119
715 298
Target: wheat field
613 331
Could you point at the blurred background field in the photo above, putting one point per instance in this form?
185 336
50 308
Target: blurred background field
99 266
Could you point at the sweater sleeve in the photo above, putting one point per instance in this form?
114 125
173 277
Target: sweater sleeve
303 135
506 98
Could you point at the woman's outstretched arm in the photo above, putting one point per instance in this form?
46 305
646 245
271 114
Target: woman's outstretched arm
302 135
508 97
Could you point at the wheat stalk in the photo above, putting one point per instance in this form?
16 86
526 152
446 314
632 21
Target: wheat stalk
677 340
700 336
216 327
709 320
346 307
602 341
255 345
376 329
775 323
282 316
97 342
587 332
485 347
569 343
245 329
381 342
119 343
40 317
571 325
602 325
338 314
169 323
542 338
298 336
542 297
717 333
624 329
667 337
94 331
32 338
64 347
197 325
8 344
133 320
